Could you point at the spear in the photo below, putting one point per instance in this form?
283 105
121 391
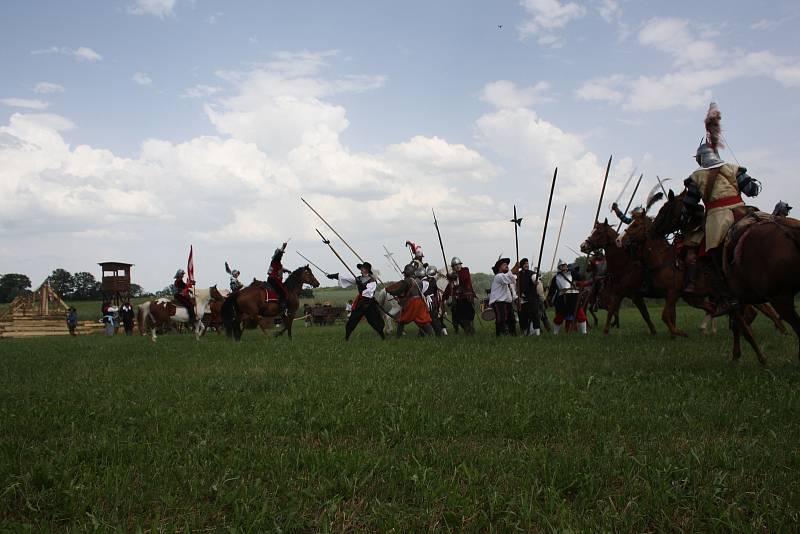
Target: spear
662 185
332 230
631 200
517 223
627 183
390 256
312 263
328 242
603 191
558 239
441 246
546 218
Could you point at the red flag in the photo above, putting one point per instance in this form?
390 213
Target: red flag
190 268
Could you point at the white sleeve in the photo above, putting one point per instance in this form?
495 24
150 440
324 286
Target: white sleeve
507 278
346 280
369 291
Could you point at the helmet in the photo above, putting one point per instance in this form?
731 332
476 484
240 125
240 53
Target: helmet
455 261
179 273
408 270
707 156
420 272
562 263
235 272
430 271
638 210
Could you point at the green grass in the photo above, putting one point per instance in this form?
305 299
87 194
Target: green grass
625 433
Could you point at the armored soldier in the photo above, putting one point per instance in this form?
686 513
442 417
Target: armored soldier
414 308
637 212
564 292
235 284
364 304
430 290
275 278
460 290
181 293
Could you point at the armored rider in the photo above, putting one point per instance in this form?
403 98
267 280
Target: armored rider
181 293
275 279
236 285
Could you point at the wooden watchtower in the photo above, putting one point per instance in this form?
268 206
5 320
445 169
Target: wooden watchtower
116 281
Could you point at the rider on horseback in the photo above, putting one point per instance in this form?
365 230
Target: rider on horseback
719 185
236 285
181 293
637 212
275 279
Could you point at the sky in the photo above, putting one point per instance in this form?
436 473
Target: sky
132 129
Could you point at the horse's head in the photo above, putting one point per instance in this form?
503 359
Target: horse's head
668 219
602 236
307 277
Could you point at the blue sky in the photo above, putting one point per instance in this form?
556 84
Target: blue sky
130 129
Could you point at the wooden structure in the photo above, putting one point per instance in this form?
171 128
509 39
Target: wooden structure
115 282
40 313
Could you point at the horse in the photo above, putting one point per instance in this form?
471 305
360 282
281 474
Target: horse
760 266
251 304
162 312
624 278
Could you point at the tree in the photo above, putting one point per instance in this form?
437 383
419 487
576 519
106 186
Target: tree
307 293
85 287
12 284
137 291
61 283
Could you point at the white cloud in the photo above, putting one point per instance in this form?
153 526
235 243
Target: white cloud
603 89
82 53
142 78
213 18
674 36
505 94
45 88
546 18
157 8
201 91
609 10
24 103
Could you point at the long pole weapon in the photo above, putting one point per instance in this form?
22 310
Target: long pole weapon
517 223
312 263
603 191
390 256
546 218
627 183
630 201
328 242
662 186
558 239
441 245
332 230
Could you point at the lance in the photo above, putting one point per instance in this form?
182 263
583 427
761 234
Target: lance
631 200
328 242
558 239
627 183
312 263
441 245
332 230
603 191
390 256
546 218
662 185
517 223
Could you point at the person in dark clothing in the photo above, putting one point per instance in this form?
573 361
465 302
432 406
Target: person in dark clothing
126 315
180 294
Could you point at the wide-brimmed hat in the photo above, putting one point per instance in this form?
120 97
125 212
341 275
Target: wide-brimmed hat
501 261
366 265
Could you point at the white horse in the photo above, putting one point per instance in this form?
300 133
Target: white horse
160 312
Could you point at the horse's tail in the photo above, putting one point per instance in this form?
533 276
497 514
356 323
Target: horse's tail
229 317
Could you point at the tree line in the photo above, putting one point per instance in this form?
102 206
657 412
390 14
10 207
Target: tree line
77 286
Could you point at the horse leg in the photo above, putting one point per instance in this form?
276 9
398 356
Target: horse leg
638 300
770 312
668 315
739 317
704 324
611 311
784 305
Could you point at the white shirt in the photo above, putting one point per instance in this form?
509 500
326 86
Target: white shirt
346 280
503 288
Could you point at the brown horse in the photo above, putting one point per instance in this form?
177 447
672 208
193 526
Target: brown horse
764 268
250 304
624 278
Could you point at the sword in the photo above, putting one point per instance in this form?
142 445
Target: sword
328 242
312 263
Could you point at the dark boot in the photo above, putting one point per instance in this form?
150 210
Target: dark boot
400 329
691 277
724 299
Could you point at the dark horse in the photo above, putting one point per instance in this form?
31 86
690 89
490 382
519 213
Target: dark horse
765 268
250 305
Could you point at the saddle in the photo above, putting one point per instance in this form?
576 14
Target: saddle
745 219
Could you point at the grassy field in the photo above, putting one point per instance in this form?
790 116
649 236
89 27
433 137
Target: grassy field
626 433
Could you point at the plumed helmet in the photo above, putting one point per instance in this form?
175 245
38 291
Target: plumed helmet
455 261
420 272
430 270
179 273
707 156
638 210
235 272
408 270
708 152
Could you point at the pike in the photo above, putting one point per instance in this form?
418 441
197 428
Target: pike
517 223
390 256
627 183
332 230
662 185
631 200
603 191
328 242
312 263
546 218
441 245
558 239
